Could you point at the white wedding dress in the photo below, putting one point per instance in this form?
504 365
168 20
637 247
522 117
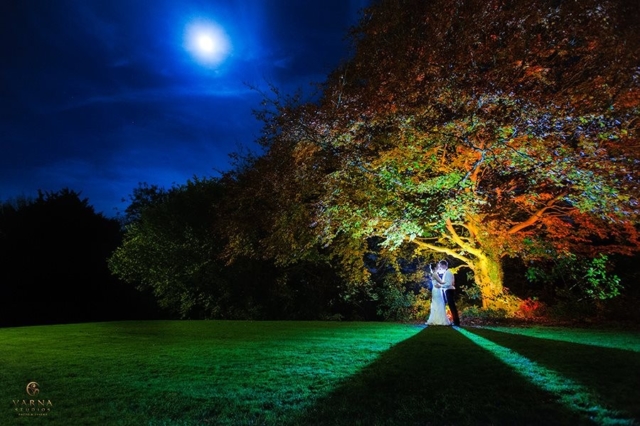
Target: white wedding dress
438 315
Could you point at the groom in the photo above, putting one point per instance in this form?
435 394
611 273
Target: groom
446 279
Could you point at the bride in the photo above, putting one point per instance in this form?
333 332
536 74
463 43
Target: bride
438 314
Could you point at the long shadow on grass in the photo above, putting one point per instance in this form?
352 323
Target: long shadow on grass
437 377
612 374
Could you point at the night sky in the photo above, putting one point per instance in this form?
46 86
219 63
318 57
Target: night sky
100 95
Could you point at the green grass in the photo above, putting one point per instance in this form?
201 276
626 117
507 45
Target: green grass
604 363
609 338
302 373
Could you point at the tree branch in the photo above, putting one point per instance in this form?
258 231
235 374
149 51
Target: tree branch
444 250
458 240
536 216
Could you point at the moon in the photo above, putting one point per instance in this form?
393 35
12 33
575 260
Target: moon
207 42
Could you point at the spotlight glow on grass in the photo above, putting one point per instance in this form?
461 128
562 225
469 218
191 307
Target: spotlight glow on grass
569 393
629 341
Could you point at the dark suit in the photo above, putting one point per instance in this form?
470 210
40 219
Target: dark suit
450 297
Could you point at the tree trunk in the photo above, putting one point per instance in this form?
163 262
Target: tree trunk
489 277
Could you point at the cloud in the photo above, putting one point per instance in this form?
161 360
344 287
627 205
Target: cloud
159 95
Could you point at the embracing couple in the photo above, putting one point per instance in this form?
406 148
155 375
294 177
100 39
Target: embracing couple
443 292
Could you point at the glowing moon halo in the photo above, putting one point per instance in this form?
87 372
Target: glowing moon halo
207 42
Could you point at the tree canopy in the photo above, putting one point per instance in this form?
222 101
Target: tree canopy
168 246
472 130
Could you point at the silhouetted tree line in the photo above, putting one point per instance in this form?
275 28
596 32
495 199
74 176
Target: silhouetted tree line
53 253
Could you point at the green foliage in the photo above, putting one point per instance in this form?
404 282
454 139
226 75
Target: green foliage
396 304
177 244
421 307
169 247
599 284
578 277
401 294
473 291
473 314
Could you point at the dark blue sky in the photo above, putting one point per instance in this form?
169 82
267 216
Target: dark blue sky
100 95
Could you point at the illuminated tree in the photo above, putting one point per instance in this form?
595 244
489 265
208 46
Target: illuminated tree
477 130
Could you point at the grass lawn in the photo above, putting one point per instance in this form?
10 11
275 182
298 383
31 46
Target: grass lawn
322 373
